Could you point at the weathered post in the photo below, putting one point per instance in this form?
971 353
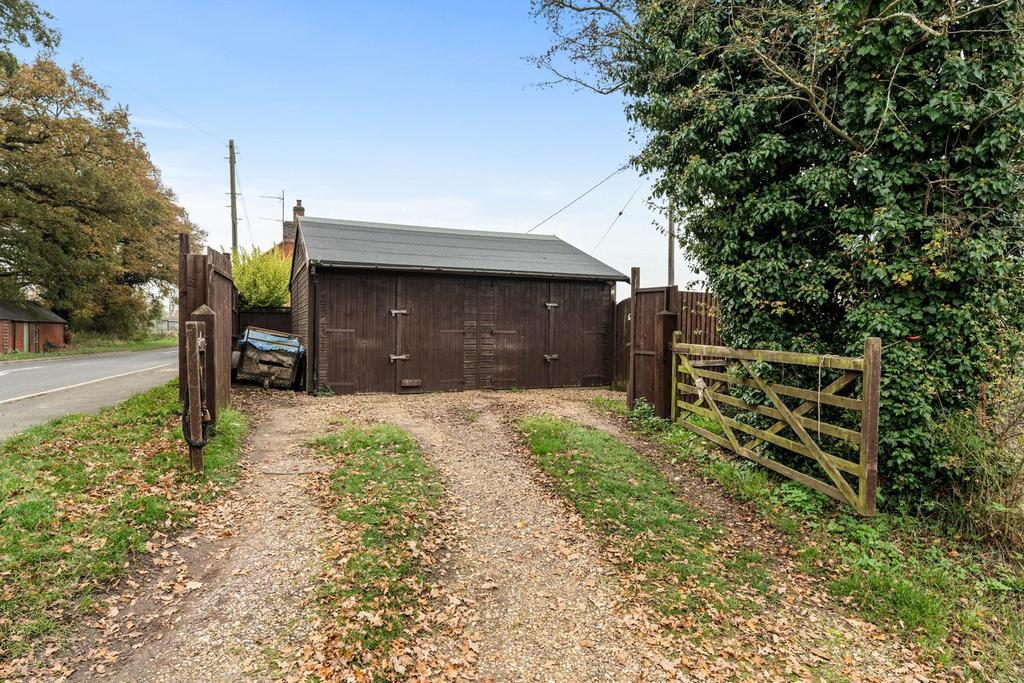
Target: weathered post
194 332
677 338
206 315
869 425
634 284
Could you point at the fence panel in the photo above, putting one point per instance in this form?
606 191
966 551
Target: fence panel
206 288
792 429
647 349
277 319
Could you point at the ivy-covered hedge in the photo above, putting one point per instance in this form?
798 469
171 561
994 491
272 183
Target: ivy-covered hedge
845 169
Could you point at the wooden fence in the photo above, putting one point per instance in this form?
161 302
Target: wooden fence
277 319
206 293
715 395
644 324
207 300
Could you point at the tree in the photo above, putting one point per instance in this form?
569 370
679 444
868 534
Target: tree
85 220
847 169
262 277
23 23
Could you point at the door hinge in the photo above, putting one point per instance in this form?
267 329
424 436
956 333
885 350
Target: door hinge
551 304
398 356
550 357
398 311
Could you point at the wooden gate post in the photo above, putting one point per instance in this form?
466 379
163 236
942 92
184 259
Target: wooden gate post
664 327
193 391
206 315
866 493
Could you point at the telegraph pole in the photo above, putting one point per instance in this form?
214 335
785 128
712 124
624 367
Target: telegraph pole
234 197
671 244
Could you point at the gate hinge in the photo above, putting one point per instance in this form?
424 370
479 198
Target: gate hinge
550 357
398 311
398 356
551 304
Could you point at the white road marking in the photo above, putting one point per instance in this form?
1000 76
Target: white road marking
7 372
82 384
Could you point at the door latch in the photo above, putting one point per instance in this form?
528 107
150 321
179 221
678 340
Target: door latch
551 304
398 356
550 357
398 311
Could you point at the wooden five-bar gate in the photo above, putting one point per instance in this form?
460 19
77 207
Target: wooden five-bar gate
707 391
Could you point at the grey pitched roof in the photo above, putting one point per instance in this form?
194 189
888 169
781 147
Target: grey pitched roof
27 311
358 244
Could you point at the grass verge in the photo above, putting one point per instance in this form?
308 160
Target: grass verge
81 494
665 543
387 499
962 601
86 344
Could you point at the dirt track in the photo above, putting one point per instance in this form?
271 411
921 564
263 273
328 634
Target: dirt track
545 602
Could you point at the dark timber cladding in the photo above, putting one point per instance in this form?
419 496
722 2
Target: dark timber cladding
404 308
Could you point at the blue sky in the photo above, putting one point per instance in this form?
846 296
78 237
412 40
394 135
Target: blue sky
409 112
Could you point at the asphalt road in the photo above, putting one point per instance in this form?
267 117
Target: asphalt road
35 391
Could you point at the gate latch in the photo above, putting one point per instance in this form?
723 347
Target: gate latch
398 356
398 311
550 356
551 304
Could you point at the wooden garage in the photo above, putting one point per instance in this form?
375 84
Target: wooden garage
398 308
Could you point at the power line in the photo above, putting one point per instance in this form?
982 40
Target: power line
146 95
620 169
617 217
245 209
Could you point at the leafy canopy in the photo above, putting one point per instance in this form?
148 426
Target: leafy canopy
23 23
846 169
85 220
262 277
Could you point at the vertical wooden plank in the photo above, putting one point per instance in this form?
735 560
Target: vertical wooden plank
634 284
194 392
677 338
868 483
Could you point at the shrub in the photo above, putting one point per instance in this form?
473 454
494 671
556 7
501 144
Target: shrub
843 170
262 277
987 457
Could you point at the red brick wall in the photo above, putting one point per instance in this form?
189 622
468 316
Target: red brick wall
12 336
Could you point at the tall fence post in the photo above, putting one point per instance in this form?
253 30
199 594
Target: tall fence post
634 284
677 338
872 376
194 333
206 315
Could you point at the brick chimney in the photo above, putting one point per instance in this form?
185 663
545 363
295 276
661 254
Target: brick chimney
289 228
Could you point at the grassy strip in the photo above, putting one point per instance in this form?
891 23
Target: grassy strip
387 498
81 494
666 542
962 601
86 344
